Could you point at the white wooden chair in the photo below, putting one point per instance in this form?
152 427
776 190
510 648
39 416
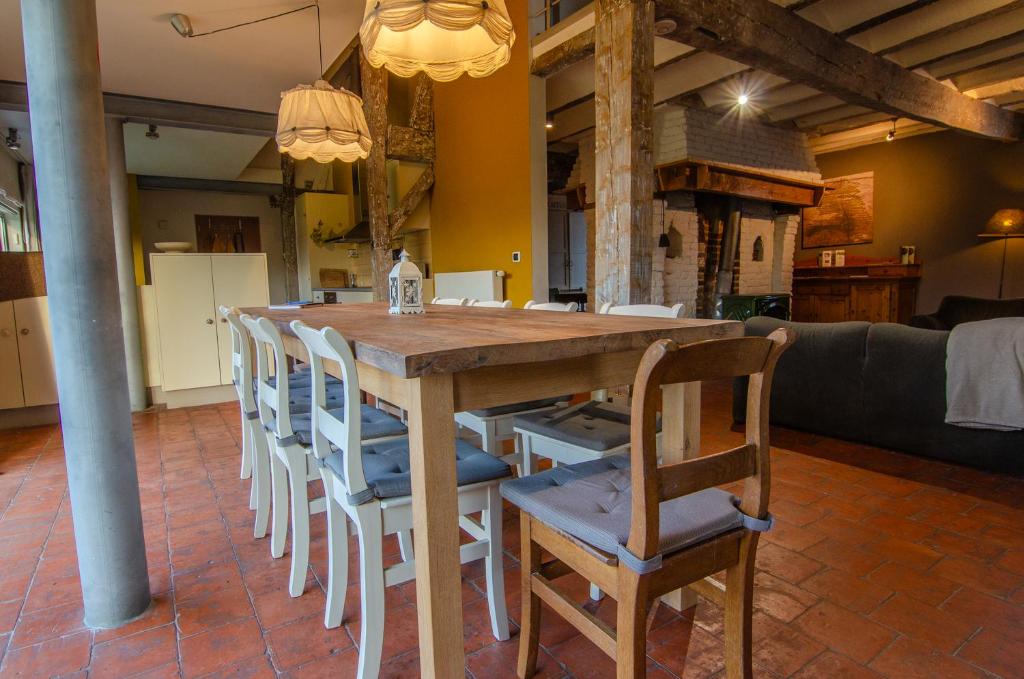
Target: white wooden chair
450 301
255 454
494 425
585 431
366 484
491 304
551 306
287 423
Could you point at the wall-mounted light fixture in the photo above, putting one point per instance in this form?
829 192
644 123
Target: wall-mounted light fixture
12 140
892 133
151 133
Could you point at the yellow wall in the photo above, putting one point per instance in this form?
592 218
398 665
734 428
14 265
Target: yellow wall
480 208
136 226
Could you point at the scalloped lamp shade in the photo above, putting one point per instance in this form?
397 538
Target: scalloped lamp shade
443 38
1007 223
323 123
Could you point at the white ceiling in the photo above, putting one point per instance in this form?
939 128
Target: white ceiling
141 55
180 152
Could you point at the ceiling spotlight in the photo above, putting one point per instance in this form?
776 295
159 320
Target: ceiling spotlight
12 141
183 25
549 121
892 133
742 99
664 27
152 133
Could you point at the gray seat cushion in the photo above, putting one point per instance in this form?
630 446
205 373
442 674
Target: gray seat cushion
375 424
593 425
512 408
386 467
591 502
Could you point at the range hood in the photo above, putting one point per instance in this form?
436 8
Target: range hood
360 233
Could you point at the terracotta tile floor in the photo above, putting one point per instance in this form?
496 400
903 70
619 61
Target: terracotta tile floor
880 565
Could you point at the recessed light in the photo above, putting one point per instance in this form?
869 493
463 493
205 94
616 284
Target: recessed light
742 99
664 27
549 121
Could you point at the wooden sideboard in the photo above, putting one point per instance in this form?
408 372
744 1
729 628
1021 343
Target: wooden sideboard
877 292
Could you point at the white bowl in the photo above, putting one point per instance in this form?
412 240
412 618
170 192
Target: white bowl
173 246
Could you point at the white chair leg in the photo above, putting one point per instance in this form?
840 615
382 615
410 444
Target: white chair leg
595 592
526 468
247 434
371 578
494 566
279 504
337 556
489 437
260 481
405 545
300 520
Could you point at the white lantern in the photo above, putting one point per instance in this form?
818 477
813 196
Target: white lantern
406 287
443 38
323 123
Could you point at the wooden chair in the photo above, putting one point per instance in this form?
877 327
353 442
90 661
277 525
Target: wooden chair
641 531
450 301
367 484
551 306
649 310
255 454
288 424
507 304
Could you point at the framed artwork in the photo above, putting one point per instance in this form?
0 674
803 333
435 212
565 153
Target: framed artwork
846 214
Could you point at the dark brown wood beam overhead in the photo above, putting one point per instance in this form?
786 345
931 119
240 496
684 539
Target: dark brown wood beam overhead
769 37
577 48
884 17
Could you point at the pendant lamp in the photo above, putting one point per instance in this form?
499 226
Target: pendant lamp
321 122
443 38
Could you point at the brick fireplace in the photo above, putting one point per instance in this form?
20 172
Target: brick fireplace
708 164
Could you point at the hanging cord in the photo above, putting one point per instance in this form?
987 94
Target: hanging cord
319 42
275 16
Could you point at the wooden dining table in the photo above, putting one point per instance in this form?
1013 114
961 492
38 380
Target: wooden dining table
451 359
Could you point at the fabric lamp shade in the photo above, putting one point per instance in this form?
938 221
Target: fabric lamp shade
443 38
323 123
1006 223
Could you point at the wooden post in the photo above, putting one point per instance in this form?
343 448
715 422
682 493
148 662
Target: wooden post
288 228
374 82
624 96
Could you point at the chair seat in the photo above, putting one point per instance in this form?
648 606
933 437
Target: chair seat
512 408
375 424
386 467
592 425
591 502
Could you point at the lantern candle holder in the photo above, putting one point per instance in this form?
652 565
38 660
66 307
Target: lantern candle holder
405 287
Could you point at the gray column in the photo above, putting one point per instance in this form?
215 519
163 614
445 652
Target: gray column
129 295
66 111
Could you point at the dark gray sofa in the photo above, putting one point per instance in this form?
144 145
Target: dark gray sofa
882 384
956 309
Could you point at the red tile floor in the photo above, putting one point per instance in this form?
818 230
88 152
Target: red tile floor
880 565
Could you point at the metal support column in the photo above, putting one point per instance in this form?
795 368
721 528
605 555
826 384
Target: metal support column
129 293
66 109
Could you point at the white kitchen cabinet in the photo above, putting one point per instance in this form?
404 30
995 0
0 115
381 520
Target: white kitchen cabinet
11 395
35 351
195 347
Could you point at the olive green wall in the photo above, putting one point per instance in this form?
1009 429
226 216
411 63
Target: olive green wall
936 191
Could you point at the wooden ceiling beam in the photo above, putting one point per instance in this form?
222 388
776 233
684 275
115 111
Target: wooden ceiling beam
949 29
565 54
884 17
767 36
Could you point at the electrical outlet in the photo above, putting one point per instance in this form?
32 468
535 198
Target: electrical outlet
517 256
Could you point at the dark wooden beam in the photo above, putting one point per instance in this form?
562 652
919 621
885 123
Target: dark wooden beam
375 107
624 115
288 228
706 177
407 143
884 17
575 49
938 66
769 37
147 182
421 117
411 200
14 97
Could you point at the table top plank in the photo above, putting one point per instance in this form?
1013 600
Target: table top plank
450 339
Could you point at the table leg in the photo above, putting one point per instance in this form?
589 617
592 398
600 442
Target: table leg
435 526
680 441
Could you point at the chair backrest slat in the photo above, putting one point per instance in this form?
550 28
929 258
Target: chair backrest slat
551 306
272 398
683 478
491 304
664 363
345 433
648 310
241 358
450 301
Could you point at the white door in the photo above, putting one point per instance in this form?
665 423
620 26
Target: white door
11 395
186 314
35 349
558 253
241 281
577 250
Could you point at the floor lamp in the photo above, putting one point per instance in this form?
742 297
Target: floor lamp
1005 224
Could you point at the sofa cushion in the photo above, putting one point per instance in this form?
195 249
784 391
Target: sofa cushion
591 502
956 309
818 381
386 467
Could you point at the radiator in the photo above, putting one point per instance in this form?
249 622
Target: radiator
481 285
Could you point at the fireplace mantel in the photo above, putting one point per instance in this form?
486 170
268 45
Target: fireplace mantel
731 180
